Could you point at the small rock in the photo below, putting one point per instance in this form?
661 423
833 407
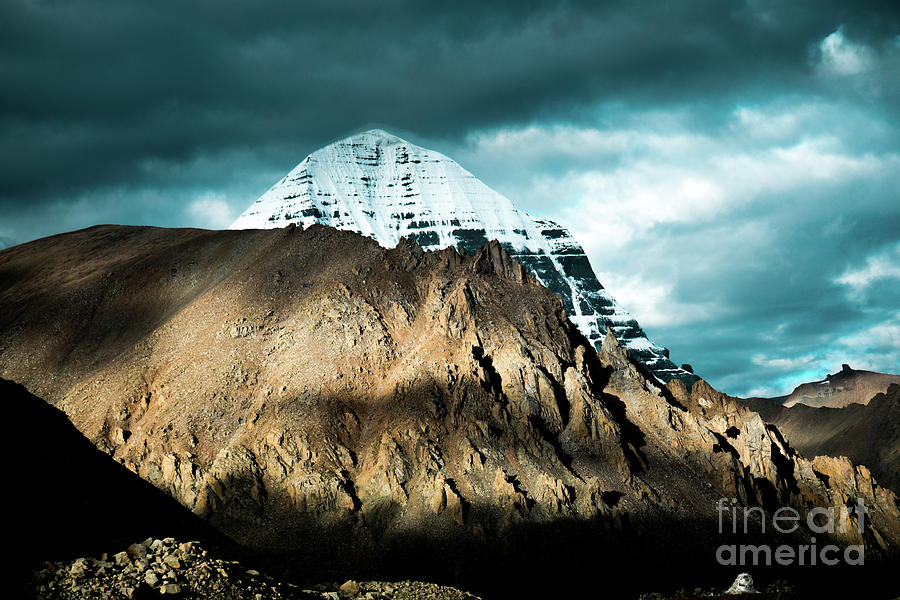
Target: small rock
743 584
137 550
121 558
151 579
170 588
172 561
78 568
350 588
157 545
253 572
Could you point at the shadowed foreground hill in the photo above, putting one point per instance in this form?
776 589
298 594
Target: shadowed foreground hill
70 499
357 411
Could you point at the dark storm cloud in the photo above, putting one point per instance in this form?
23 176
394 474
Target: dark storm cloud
728 165
90 89
789 315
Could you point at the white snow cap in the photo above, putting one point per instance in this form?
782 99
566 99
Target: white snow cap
384 187
379 185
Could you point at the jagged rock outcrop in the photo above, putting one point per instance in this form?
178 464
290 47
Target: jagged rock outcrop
775 474
311 393
868 433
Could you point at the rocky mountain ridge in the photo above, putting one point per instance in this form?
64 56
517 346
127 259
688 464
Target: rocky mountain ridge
369 410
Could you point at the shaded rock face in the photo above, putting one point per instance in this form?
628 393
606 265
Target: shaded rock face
386 188
847 386
313 394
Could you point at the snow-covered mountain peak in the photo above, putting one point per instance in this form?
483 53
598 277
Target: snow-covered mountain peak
370 138
379 135
382 186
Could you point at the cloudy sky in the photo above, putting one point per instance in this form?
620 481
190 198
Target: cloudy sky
731 167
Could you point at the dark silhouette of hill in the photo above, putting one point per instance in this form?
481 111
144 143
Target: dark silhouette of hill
66 498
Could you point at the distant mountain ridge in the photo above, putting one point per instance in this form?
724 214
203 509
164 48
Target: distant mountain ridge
847 386
850 413
386 188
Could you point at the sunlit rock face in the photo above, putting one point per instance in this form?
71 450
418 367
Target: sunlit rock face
381 186
316 396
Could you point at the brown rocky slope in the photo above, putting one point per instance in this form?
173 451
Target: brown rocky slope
356 410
